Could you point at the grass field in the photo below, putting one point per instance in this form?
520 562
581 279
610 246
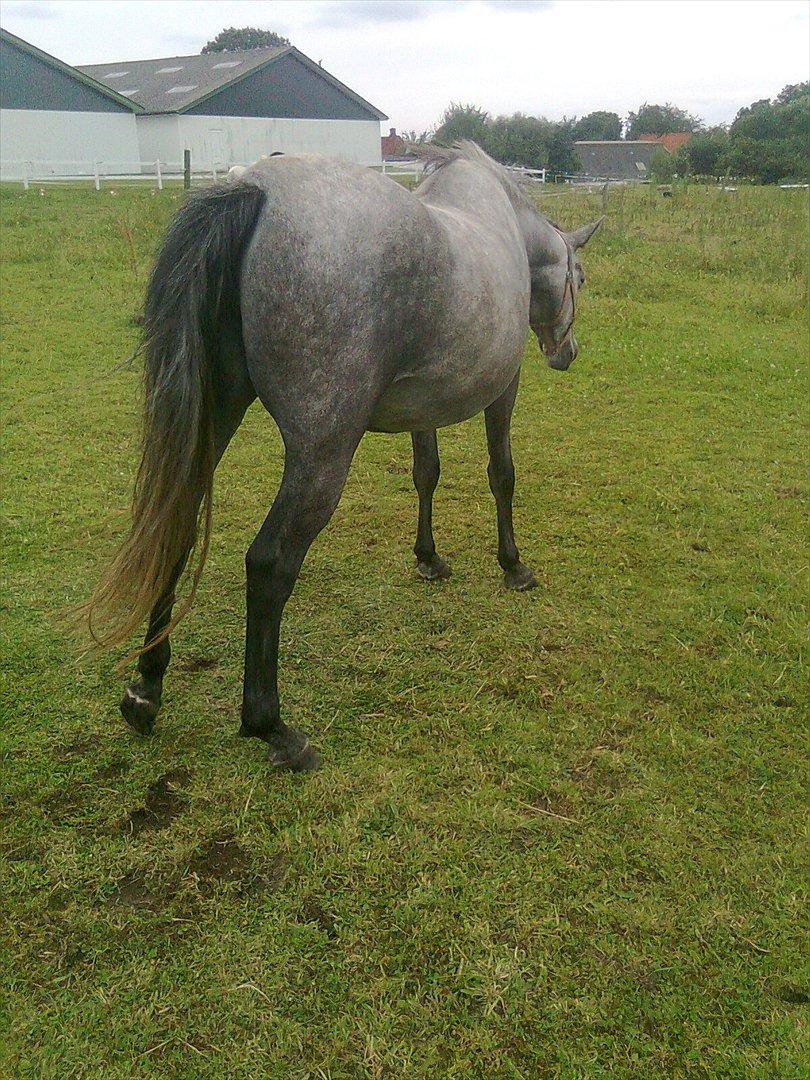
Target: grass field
556 834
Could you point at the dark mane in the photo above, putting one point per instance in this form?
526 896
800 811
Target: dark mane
439 157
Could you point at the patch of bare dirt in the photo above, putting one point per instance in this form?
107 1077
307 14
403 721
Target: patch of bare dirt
313 912
133 892
197 663
77 747
793 995
117 767
553 803
222 860
162 805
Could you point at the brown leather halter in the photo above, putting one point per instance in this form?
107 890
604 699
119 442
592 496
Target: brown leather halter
568 287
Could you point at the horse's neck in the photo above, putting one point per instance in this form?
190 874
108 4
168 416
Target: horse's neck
544 245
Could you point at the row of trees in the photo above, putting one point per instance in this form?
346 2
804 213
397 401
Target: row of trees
768 141
649 120
531 141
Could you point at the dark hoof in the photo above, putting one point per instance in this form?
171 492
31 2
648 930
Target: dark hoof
307 759
435 570
289 749
520 579
138 710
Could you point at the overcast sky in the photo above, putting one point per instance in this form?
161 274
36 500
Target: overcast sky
410 58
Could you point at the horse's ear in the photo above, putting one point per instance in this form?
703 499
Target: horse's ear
580 237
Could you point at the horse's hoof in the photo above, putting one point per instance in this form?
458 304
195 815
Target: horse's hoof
305 760
521 578
138 710
289 749
435 570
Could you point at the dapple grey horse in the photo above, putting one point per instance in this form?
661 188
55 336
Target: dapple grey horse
346 304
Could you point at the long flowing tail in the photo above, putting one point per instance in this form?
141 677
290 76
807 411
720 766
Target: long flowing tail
194 287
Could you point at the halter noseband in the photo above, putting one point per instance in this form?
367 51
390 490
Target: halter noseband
568 287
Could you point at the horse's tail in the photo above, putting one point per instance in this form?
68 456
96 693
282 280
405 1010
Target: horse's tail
193 289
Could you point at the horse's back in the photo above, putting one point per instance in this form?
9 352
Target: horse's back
343 263
355 290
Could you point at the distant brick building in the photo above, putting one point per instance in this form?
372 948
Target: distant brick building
673 141
392 146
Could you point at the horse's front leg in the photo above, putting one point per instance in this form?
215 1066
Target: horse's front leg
425 478
501 472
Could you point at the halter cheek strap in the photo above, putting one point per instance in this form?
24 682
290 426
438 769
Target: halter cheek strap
567 288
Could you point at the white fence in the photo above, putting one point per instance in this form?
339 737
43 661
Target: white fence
156 172
99 172
401 168
416 167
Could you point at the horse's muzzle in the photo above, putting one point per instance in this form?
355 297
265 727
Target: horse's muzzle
565 355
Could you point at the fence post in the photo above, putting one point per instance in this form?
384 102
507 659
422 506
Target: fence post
29 171
604 198
159 176
187 169
96 177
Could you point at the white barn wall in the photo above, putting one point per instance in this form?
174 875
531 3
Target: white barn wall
62 143
239 140
159 138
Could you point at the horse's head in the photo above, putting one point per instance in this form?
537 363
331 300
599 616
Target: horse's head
557 276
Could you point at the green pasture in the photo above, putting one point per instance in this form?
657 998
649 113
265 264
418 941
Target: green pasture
556 834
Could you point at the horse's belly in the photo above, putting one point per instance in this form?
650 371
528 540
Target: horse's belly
437 396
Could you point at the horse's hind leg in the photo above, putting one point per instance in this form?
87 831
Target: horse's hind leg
309 493
425 478
501 472
141 700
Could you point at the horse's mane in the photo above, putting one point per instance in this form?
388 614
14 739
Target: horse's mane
439 157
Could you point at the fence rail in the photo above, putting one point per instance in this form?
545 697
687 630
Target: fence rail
97 172
101 172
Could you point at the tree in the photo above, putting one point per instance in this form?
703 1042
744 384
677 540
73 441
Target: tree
462 122
769 140
660 120
531 141
417 138
703 154
242 39
598 125
662 166
519 140
794 92
561 156
767 160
